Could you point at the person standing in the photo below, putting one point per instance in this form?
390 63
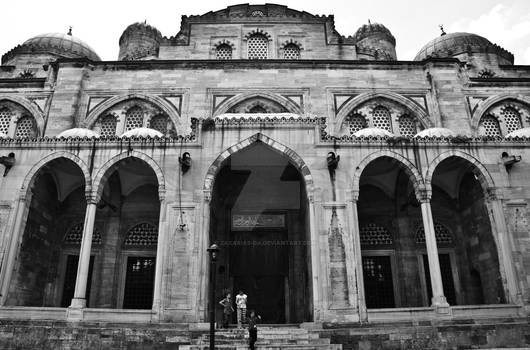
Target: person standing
226 303
252 321
241 303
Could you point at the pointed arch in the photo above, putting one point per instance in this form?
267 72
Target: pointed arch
485 105
484 177
358 100
409 168
293 157
106 170
32 108
283 101
157 101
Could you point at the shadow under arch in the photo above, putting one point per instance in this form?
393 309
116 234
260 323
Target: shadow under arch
417 111
233 101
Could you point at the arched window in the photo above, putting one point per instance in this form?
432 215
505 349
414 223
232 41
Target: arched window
258 47
291 52
134 118
374 234
257 109
489 126
159 123
5 119
223 52
108 126
74 236
443 236
381 118
512 118
356 122
407 126
26 127
142 235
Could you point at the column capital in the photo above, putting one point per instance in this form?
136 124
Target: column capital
91 197
352 196
161 193
492 194
207 195
423 195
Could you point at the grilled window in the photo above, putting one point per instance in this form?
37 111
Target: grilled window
356 122
159 123
26 127
108 126
258 47
223 52
291 52
142 235
378 284
134 118
512 118
407 126
5 119
381 118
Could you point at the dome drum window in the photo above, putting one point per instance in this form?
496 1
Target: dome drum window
223 52
258 47
291 52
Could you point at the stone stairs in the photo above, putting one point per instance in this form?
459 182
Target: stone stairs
269 338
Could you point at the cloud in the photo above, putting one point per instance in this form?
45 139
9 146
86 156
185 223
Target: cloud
502 25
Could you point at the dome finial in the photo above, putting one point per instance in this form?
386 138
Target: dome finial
369 23
442 29
69 31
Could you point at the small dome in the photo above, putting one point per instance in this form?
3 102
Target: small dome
435 133
521 133
373 132
142 132
140 27
79 133
453 44
62 45
371 29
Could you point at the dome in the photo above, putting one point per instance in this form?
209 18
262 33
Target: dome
453 44
142 132
140 27
373 132
436 133
79 133
521 133
62 45
371 29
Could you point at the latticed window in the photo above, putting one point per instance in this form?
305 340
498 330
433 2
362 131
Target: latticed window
257 109
512 118
26 127
381 118
159 123
142 235
75 235
108 126
134 118
356 122
223 52
291 52
5 119
489 126
258 47
373 234
443 236
407 126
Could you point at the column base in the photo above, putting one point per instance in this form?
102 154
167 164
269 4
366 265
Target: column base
78 303
441 305
74 314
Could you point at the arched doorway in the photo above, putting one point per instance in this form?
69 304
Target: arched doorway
458 200
259 218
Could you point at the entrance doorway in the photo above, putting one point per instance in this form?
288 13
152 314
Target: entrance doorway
259 219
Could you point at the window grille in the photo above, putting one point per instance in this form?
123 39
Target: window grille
407 126
223 52
447 278
381 118
5 119
257 109
108 126
75 235
142 235
356 122
134 119
378 284
139 283
373 234
489 126
159 123
512 118
26 128
443 236
291 52
258 47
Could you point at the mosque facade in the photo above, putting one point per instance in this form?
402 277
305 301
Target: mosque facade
343 186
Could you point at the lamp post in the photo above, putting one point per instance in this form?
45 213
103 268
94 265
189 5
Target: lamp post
213 251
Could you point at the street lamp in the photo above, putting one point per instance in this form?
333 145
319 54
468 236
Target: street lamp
213 251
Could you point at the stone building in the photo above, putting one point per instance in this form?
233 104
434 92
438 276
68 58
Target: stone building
343 186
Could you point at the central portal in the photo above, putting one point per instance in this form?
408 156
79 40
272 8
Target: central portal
259 219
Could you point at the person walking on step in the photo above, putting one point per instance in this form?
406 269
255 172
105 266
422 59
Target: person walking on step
226 303
241 303
252 322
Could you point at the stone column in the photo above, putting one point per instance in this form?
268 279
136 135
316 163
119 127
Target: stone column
315 259
506 259
363 313
15 235
79 300
438 298
161 249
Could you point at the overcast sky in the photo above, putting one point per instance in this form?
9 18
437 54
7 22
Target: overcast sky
413 22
